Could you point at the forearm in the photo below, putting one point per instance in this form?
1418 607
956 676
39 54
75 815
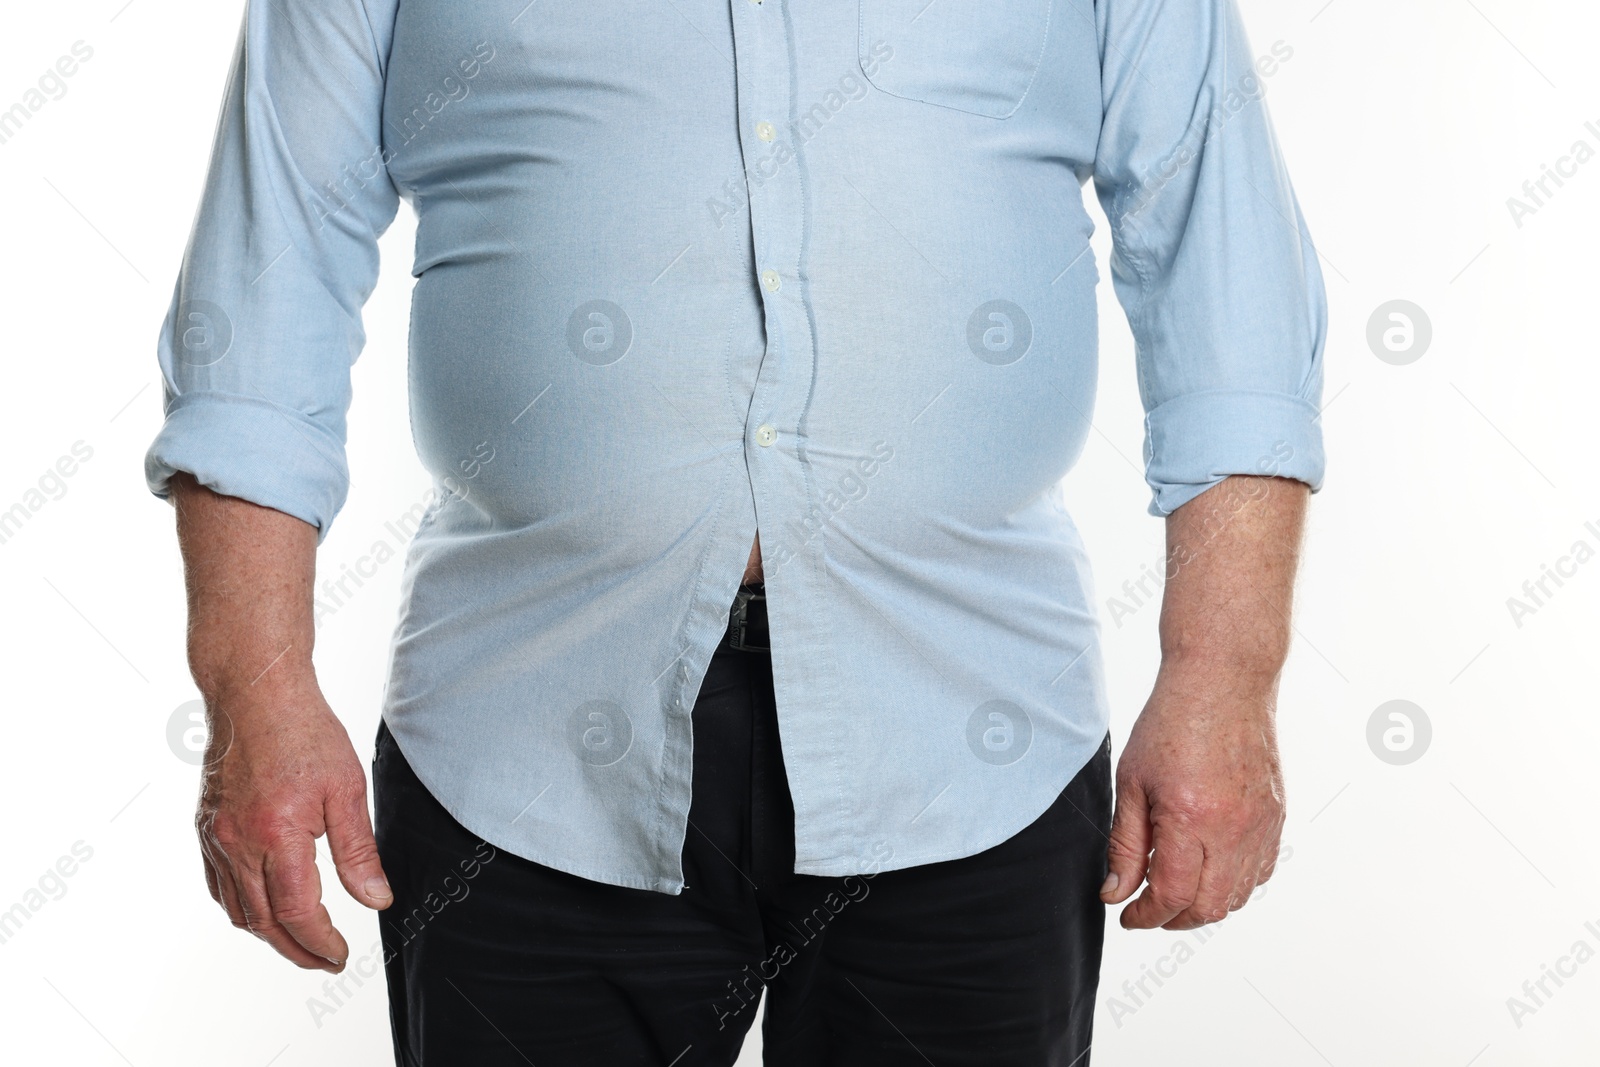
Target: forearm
1200 803
280 771
1232 553
249 571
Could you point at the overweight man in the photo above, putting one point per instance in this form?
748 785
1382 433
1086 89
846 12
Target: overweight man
746 644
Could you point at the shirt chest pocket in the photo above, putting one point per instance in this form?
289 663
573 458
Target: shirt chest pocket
977 56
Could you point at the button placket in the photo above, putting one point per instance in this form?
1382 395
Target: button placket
777 173
762 54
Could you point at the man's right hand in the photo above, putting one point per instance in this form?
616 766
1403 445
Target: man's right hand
278 775
279 770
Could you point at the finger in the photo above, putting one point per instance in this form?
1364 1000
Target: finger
355 850
219 882
1269 862
294 891
1242 894
261 921
211 875
1249 879
1220 876
1174 878
226 892
1129 851
255 915
1260 861
1258 870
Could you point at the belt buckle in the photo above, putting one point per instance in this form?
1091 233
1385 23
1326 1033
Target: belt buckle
739 618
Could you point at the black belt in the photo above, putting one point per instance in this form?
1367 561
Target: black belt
747 621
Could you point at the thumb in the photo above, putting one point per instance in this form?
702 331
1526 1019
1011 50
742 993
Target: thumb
355 851
1129 850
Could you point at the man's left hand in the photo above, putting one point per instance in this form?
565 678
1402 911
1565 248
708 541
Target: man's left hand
1200 802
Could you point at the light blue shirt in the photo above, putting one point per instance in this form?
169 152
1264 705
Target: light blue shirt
689 269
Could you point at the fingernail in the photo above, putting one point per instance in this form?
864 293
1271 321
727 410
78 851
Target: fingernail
1110 884
378 889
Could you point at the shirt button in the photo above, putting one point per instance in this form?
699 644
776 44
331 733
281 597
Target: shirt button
770 279
765 434
765 130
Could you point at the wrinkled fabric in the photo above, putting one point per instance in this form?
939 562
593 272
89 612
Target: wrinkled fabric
686 270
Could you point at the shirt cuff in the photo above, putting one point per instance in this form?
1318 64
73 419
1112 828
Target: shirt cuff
253 449
1195 441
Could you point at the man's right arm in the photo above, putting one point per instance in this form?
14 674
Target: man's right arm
255 355
279 767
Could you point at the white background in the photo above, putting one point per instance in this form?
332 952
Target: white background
1417 898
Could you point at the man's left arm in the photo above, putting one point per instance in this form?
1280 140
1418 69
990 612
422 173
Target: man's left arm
1214 265
1199 782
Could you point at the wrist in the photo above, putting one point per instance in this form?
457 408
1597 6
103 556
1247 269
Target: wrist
252 694
1243 662
1247 678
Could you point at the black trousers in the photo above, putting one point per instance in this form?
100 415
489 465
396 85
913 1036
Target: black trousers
991 960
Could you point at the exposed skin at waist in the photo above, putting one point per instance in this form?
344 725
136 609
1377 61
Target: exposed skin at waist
752 569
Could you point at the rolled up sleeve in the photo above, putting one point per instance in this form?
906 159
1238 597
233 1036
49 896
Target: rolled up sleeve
1212 261
265 320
